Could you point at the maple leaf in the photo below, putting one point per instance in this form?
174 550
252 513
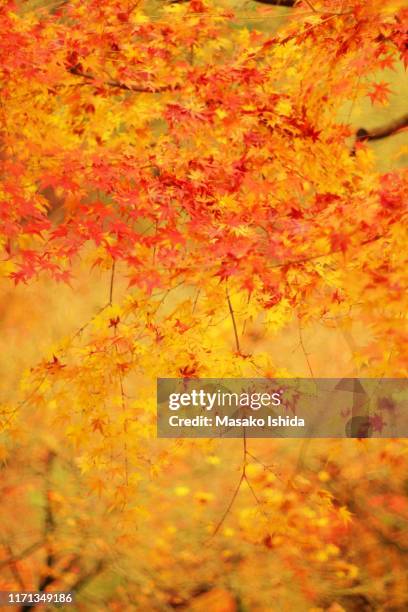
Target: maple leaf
114 322
97 485
380 93
189 148
345 515
188 371
399 34
181 327
339 242
387 62
98 425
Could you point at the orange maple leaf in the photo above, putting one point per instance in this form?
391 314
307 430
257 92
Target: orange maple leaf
380 93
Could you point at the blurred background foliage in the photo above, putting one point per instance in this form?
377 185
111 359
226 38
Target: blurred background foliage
173 566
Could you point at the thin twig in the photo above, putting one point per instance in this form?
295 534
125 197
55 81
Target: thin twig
91 79
236 491
25 553
306 354
231 503
14 568
112 280
234 324
196 299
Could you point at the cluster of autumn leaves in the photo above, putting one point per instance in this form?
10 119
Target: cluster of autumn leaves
204 168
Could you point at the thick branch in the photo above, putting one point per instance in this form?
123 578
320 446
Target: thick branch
384 130
288 3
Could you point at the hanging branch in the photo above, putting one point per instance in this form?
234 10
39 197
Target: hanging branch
236 491
243 478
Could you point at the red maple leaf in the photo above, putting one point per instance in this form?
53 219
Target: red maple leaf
339 242
380 93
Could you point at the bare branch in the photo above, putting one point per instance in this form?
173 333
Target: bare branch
236 490
384 130
228 508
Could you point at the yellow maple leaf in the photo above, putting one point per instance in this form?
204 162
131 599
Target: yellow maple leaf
345 515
